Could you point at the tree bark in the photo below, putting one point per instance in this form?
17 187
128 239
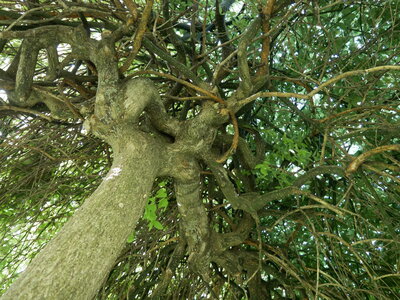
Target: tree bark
76 262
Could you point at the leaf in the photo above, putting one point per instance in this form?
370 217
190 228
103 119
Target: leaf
303 156
150 212
161 193
131 238
158 225
163 203
287 141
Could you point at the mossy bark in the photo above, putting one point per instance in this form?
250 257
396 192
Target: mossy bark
75 263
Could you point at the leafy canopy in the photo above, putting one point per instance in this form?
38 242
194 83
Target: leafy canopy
316 137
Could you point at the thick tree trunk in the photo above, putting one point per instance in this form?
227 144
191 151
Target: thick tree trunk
75 263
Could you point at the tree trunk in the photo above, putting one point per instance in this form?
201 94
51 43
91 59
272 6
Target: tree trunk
76 262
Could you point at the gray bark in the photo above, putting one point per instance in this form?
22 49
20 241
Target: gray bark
75 263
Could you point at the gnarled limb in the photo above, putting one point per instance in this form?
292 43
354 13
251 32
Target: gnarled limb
89 243
193 215
246 85
252 202
26 70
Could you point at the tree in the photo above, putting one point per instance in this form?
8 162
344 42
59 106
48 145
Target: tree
259 141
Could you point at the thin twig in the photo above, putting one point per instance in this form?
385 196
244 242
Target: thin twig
27 111
22 16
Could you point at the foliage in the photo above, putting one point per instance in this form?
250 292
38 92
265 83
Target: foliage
158 202
318 225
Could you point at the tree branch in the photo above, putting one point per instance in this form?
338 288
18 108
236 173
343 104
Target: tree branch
353 166
352 73
26 111
308 96
193 214
137 42
181 68
266 13
245 41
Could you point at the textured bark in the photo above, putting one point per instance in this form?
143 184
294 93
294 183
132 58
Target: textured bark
75 263
195 224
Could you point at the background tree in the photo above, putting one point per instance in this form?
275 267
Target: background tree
259 140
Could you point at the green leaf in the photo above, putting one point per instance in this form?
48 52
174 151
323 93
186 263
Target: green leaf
163 203
158 225
287 141
161 193
303 156
131 237
150 212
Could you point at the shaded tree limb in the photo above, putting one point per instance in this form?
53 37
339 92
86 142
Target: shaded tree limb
137 42
267 10
354 165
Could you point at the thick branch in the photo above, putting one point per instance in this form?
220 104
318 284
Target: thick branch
47 35
227 187
76 262
137 42
237 236
318 171
353 166
33 41
252 202
245 41
266 13
124 104
26 70
193 214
